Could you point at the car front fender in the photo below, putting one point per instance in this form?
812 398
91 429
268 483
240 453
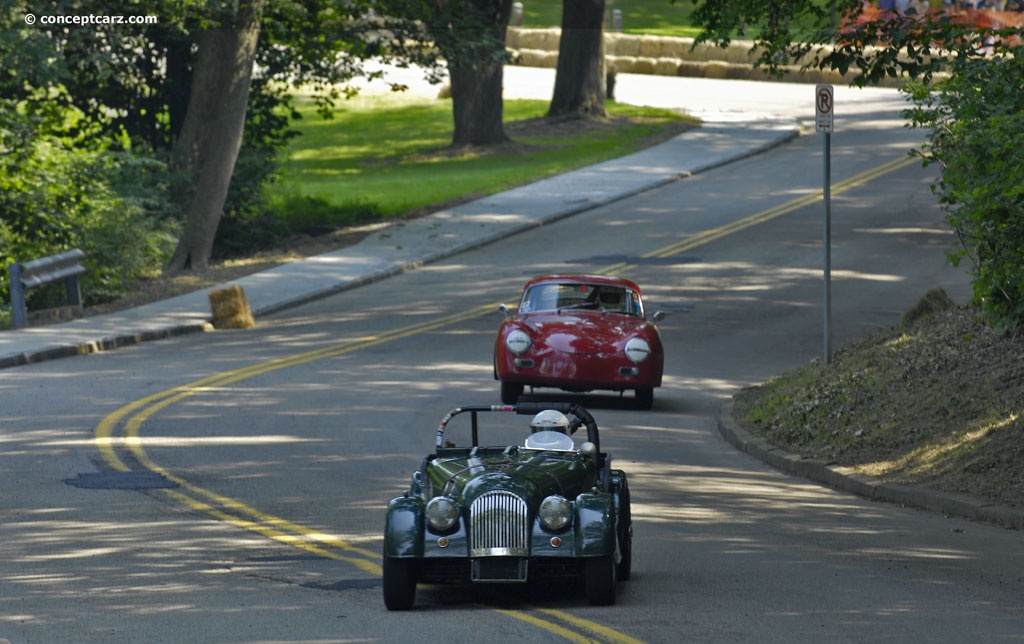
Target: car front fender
595 525
403 527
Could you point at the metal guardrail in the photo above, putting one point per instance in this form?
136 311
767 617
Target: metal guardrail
65 266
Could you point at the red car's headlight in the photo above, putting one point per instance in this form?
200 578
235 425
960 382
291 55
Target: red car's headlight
638 350
518 342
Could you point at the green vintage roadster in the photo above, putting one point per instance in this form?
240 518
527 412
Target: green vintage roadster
542 508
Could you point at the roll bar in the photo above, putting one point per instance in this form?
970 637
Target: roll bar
579 416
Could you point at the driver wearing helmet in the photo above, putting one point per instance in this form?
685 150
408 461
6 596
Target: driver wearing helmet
549 430
550 420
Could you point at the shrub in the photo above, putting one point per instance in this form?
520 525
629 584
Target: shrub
976 122
57 194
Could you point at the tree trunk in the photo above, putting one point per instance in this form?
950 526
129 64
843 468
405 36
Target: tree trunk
477 105
211 135
579 77
477 78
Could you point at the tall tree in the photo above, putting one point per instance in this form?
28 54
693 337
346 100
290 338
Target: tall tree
579 77
476 66
211 135
470 36
132 85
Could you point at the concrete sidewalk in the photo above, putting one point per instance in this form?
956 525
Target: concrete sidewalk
725 136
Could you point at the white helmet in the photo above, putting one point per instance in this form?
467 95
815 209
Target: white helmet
550 420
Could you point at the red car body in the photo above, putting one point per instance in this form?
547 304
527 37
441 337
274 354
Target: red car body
579 333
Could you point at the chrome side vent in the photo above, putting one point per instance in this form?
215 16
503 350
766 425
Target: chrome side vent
498 526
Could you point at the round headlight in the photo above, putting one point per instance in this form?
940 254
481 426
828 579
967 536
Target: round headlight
442 513
638 350
518 342
555 512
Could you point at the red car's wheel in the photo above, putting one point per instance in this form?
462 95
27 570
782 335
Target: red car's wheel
645 398
510 392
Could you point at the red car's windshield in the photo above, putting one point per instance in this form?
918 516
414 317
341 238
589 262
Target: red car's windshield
598 297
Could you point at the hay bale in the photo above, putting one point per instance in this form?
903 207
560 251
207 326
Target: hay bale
717 69
690 69
621 44
622 64
666 66
513 38
538 58
230 308
542 39
648 47
681 48
643 66
934 301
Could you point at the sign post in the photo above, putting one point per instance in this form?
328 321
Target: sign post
823 117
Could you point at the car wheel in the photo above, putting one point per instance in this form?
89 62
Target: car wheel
599 578
399 583
645 398
625 527
510 392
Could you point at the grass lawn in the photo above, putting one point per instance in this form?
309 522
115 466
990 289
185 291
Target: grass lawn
385 155
655 17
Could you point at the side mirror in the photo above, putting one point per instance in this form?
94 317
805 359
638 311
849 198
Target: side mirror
658 316
505 310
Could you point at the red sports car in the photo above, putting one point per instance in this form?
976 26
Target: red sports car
579 333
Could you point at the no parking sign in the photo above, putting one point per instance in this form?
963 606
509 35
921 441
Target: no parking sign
823 106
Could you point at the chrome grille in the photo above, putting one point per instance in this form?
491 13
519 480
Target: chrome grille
498 526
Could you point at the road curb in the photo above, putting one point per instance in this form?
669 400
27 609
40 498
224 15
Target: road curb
109 343
846 480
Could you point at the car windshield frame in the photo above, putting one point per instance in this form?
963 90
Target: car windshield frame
550 297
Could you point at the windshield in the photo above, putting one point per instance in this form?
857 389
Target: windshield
603 297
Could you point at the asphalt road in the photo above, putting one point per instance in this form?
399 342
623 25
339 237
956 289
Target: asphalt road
257 464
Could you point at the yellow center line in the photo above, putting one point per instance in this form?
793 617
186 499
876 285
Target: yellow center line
715 234
132 416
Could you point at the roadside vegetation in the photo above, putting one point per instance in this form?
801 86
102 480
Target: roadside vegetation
934 402
380 157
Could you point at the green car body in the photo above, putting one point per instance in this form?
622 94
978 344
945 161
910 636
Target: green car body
488 525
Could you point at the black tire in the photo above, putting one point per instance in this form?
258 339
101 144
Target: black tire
645 398
599 578
399 583
510 392
625 529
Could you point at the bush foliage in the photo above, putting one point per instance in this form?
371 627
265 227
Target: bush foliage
975 120
58 192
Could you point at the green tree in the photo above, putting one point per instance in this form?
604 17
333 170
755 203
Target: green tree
135 86
965 81
469 35
62 185
975 119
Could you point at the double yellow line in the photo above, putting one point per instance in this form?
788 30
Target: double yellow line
118 439
117 436
714 234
